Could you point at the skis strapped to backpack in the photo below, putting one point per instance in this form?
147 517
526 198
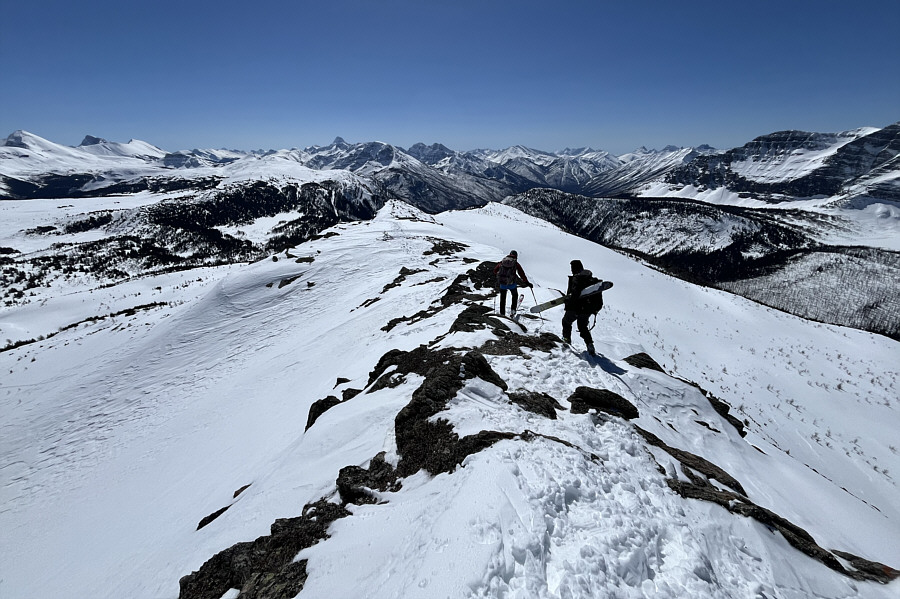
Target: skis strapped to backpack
590 299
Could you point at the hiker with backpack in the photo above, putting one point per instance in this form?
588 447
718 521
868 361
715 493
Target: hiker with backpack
578 309
509 272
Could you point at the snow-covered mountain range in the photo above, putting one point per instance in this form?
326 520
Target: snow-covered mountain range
853 168
281 373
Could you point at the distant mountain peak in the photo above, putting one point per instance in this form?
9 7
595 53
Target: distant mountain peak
90 140
17 139
576 151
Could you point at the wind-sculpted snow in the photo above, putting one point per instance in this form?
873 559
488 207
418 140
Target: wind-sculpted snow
438 469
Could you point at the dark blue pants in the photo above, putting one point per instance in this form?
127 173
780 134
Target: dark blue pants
514 297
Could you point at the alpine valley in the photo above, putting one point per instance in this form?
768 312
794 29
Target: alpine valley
277 374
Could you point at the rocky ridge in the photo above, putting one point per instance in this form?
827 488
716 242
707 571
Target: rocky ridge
427 440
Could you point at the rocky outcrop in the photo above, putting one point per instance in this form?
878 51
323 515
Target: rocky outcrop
319 407
601 400
264 568
538 403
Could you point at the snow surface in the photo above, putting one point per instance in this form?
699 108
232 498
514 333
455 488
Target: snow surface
120 434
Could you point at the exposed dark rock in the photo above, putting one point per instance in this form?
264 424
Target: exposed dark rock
737 504
531 435
287 281
701 465
474 318
369 302
241 490
434 280
355 484
41 230
319 407
458 291
419 361
539 403
432 445
707 425
482 276
420 315
793 534
340 381
602 400
348 394
444 247
643 360
264 568
871 570
721 408
510 343
404 272
212 517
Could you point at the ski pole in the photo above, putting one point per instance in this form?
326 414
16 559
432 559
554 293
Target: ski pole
541 316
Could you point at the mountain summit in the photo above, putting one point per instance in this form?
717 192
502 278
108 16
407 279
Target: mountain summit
349 416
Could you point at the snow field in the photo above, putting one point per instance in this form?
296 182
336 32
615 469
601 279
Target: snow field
135 433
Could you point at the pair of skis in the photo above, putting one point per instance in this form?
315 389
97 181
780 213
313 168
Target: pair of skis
595 288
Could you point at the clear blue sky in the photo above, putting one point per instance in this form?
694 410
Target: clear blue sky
469 74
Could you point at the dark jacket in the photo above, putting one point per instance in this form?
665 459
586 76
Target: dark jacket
577 283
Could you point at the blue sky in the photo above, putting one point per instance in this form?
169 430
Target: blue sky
469 74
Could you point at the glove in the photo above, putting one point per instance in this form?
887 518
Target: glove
530 285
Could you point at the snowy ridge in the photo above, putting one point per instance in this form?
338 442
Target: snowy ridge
458 457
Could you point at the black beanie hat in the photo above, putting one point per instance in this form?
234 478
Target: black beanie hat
577 266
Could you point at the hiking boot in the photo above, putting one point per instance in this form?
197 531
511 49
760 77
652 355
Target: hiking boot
590 349
567 340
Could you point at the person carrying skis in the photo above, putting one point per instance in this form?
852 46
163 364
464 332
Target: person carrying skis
509 272
575 312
